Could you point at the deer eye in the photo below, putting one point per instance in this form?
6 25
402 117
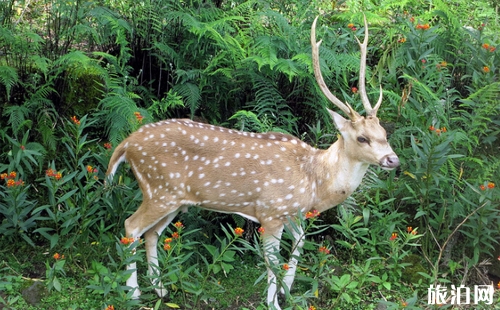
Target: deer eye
362 140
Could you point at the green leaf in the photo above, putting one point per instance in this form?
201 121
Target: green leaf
56 284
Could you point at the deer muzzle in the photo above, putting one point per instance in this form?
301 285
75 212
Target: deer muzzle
389 162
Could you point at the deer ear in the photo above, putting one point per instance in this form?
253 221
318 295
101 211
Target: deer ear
338 120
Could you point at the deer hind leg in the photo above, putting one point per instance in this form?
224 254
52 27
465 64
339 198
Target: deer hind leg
297 244
271 249
138 224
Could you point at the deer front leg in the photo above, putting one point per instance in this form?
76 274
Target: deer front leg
271 248
298 243
152 253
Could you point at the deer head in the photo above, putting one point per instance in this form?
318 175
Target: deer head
268 178
365 140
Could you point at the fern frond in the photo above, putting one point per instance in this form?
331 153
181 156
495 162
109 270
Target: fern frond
18 118
9 78
190 93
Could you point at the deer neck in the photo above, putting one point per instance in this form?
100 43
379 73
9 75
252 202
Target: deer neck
338 175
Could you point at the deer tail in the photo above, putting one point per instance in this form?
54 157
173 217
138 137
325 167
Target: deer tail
119 156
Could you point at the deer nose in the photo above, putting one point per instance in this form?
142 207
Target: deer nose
390 161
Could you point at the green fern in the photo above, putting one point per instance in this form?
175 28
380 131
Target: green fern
9 78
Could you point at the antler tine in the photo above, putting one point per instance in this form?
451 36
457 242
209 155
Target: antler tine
345 107
362 76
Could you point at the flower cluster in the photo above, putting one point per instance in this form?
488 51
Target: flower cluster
490 185
286 267
110 307
354 90
167 246
239 231
393 236
58 256
93 170
311 308
261 230
423 27
324 250
437 130
108 145
486 69
138 117
351 26
488 47
127 241
412 231
441 65
75 120
51 173
402 40
312 214
10 179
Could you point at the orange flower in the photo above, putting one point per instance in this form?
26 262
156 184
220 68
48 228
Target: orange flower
432 128
58 256
110 307
168 240
178 225
414 232
3 176
498 285
261 230
175 235
438 131
12 175
286 267
238 231
58 176
492 49
138 116
444 129
108 145
393 236
491 185
354 90
127 241
324 249
402 40
167 247
350 25
485 46
75 120
423 27
312 214
486 69
89 169
11 183
311 308
482 187
409 229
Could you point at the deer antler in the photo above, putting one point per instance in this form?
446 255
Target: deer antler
362 76
345 107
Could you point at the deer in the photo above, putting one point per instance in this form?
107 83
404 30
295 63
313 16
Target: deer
268 178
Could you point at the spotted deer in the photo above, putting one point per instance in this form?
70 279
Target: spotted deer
268 178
